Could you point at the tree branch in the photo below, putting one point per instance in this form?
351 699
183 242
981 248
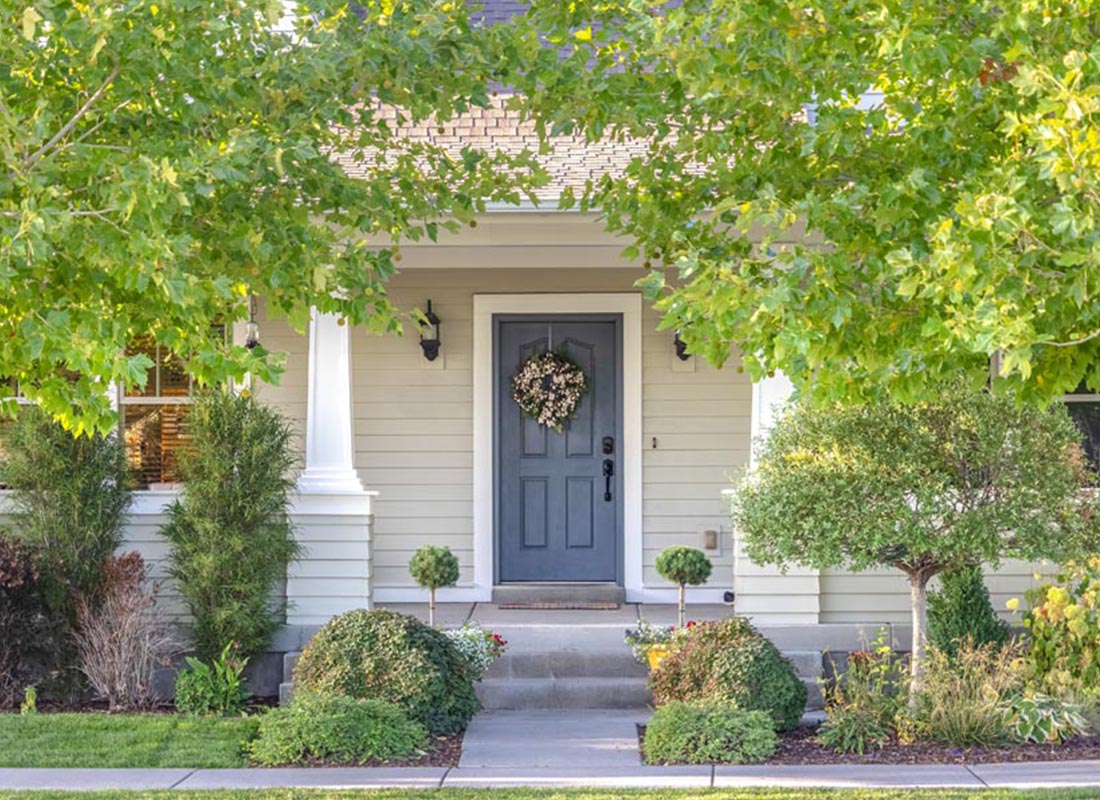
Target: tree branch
67 128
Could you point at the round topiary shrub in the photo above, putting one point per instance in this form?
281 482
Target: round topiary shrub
708 733
382 655
434 567
730 661
684 566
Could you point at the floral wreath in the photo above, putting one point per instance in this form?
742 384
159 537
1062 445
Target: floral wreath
548 388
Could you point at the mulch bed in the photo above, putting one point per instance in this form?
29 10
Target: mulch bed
800 747
443 751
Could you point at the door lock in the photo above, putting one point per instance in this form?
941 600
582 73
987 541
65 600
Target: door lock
608 445
608 472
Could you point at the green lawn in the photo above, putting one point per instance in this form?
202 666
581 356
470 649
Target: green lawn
572 794
122 740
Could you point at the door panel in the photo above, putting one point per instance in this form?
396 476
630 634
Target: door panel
555 519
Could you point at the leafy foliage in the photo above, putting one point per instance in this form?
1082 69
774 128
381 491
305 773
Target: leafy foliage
121 638
216 688
861 704
708 733
683 565
23 617
1064 623
335 728
383 655
1045 720
921 175
71 499
923 488
230 534
178 158
961 610
433 567
730 661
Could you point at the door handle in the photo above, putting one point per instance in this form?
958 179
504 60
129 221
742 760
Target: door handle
608 472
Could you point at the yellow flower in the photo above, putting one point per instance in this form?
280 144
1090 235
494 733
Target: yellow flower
1013 604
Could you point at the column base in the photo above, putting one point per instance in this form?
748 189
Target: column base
323 480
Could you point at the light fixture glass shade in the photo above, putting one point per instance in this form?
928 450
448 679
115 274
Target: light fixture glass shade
251 335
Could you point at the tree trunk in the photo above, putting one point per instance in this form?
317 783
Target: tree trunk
918 599
431 606
683 608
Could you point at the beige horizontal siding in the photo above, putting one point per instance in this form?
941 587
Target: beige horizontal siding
414 423
883 595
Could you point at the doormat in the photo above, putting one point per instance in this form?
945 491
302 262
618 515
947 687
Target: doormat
558 606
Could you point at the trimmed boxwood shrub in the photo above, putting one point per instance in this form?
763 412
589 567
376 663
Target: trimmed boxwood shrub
730 661
382 655
708 733
333 727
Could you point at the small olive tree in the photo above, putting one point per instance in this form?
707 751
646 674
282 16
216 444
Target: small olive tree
684 566
968 478
433 568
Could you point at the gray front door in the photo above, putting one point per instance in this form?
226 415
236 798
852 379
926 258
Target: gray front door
558 513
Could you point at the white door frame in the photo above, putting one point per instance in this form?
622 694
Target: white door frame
485 307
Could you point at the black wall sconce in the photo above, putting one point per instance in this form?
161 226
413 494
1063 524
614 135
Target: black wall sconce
430 346
681 348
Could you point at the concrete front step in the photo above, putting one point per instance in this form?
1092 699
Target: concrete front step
528 693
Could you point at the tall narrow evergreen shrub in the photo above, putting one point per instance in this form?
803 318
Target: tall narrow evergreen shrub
962 610
230 533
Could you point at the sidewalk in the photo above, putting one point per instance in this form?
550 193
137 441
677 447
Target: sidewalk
1008 776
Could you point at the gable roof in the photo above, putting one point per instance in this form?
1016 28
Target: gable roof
572 162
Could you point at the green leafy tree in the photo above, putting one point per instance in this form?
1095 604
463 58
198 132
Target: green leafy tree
867 195
230 533
434 567
684 566
161 162
925 488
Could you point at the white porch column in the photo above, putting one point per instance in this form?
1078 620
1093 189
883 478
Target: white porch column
764 592
332 513
330 459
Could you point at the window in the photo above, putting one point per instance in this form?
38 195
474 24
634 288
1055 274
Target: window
152 419
1084 410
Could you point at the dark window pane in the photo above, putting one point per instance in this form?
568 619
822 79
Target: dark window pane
1086 415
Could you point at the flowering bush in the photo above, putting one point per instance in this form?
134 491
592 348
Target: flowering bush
1064 622
647 635
861 704
478 646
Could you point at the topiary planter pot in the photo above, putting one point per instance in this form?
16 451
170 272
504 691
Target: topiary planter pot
657 653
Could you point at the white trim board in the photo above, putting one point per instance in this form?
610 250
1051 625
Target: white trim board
485 307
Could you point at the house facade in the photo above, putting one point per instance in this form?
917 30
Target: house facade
400 449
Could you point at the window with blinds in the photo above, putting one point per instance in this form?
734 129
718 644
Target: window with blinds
153 419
